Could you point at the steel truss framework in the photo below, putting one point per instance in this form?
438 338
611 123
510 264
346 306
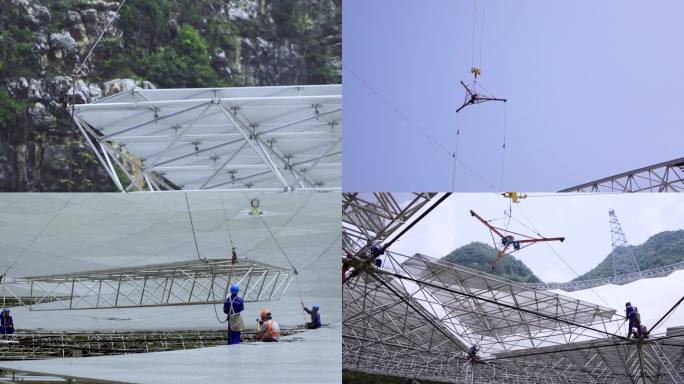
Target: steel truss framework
618 280
421 327
44 345
373 217
416 317
663 177
181 283
260 138
474 95
623 258
27 346
625 267
602 361
435 311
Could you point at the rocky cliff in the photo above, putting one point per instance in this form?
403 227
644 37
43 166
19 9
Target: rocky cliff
150 43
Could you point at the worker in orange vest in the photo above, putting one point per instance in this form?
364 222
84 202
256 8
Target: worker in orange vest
268 329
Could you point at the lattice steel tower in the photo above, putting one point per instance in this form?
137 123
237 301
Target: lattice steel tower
622 256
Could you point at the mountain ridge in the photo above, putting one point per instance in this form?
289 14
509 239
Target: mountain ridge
662 249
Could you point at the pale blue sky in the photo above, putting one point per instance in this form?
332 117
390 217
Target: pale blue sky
594 89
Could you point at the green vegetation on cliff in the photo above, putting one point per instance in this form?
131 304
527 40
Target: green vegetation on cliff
662 249
162 43
480 256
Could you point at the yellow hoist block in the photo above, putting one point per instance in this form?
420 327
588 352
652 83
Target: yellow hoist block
514 196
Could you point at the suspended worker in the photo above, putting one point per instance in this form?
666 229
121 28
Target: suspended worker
268 329
632 315
507 240
376 250
6 322
232 307
472 353
315 316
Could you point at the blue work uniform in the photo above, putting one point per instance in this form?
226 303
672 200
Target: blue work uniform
631 313
315 319
6 325
237 306
472 353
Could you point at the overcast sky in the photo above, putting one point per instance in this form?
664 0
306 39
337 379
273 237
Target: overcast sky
594 89
581 218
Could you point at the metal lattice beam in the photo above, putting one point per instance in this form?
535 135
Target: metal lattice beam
183 283
624 261
416 317
663 177
373 217
259 138
619 280
46 345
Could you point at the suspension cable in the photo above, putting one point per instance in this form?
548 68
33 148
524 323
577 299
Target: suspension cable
79 67
199 257
403 231
282 250
667 314
310 263
484 7
35 238
472 52
505 305
233 249
503 149
416 221
192 225
411 124
565 262
399 112
455 156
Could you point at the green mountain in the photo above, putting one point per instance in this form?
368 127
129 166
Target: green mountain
662 249
149 44
480 256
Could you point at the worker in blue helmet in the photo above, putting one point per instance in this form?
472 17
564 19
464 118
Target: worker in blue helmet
315 316
472 353
634 319
6 322
376 250
232 307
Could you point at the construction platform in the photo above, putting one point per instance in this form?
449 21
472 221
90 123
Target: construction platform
312 356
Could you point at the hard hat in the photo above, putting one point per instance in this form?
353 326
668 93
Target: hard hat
317 307
627 304
234 288
265 312
5 309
